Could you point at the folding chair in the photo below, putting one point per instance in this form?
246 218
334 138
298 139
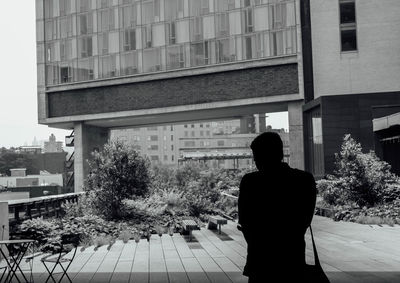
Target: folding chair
62 259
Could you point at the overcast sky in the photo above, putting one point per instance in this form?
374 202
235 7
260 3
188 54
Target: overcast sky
18 111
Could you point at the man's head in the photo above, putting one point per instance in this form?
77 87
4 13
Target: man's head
267 150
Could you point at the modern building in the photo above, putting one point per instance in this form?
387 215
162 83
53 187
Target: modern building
167 144
387 136
106 64
351 68
52 145
229 151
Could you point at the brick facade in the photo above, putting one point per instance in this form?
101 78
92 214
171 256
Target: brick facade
238 84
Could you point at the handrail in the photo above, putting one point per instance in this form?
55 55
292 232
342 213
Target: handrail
46 206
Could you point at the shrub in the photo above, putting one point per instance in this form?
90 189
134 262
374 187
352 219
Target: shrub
116 173
359 177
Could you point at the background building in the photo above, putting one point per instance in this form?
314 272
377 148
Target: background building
353 71
52 145
138 63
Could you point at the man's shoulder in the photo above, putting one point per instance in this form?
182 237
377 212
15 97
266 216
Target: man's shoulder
301 175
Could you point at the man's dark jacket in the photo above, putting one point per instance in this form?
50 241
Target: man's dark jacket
275 209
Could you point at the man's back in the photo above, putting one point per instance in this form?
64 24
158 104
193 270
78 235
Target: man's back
275 209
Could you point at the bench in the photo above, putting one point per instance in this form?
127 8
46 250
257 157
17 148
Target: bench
190 225
215 221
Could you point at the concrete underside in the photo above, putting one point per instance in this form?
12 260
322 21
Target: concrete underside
93 110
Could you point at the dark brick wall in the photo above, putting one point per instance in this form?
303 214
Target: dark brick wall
351 114
238 84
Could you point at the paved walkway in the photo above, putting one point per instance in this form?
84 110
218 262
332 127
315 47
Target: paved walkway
349 253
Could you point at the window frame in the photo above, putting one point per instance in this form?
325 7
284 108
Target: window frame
348 26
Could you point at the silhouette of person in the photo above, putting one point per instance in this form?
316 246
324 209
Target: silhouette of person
276 205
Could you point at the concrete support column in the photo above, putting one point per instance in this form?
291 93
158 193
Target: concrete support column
296 139
87 139
4 227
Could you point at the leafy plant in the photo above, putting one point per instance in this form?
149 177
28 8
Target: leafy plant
117 172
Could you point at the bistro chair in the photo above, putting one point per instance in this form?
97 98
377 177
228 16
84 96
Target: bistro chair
63 259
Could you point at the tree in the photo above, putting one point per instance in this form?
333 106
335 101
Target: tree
117 172
359 177
10 160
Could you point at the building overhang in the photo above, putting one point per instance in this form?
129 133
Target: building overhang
384 123
177 114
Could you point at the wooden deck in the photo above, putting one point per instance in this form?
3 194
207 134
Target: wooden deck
349 253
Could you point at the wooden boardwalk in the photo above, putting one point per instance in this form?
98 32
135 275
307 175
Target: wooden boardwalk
349 253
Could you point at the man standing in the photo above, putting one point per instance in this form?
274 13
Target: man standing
276 206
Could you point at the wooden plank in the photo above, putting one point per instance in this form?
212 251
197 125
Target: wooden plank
158 270
122 271
182 247
140 268
194 270
106 268
210 267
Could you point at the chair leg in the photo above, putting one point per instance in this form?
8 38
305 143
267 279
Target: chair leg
50 272
65 272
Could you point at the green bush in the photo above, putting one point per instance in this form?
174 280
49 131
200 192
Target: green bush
359 177
117 172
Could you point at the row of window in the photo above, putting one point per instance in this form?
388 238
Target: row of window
249 20
60 68
150 10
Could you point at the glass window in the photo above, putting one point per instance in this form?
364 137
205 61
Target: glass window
222 25
277 15
48 9
52 74
348 28
128 16
248 20
83 5
249 45
199 7
226 50
276 39
64 7
175 57
66 50
152 60
196 29
108 66
85 23
128 39
171 33
150 11
129 63
314 145
224 5
147 36
174 9
66 26
220 143
189 144
85 47
85 69
67 70
199 53
105 20
102 43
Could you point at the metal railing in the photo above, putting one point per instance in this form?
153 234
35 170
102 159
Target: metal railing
20 210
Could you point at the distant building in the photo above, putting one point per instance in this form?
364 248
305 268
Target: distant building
52 145
222 144
225 151
30 149
19 178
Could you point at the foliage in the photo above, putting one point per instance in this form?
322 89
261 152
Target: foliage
117 172
9 160
381 214
359 177
85 206
186 174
